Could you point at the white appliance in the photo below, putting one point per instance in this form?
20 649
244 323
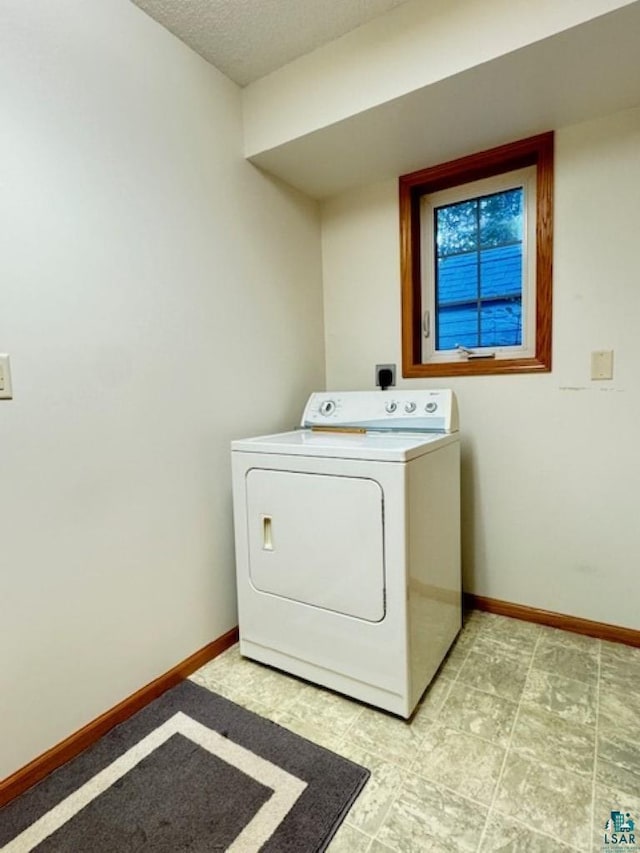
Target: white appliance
348 543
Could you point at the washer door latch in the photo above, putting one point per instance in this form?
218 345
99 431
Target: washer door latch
267 539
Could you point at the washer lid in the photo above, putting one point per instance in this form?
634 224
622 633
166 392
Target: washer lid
376 446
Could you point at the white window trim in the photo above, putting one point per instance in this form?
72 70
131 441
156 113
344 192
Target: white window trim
525 178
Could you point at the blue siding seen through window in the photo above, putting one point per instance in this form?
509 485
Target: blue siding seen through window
478 287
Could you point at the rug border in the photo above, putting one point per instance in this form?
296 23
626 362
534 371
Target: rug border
333 781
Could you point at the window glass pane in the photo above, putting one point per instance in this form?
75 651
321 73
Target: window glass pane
501 271
501 218
458 324
456 301
456 228
501 323
457 278
478 271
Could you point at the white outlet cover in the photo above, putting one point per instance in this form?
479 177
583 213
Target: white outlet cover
6 391
602 364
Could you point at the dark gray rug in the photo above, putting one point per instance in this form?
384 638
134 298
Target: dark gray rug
194 772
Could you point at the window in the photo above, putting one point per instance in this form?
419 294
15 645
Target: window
476 249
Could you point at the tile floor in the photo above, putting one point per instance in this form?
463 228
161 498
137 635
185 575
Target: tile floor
526 740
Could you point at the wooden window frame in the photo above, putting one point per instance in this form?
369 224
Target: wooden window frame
535 151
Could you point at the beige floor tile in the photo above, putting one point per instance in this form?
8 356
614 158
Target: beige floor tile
567 661
468 630
381 789
517 649
558 637
620 667
504 835
426 816
258 688
479 620
431 702
478 713
349 840
273 688
227 666
546 799
389 737
322 735
233 682
628 656
547 738
324 708
464 763
433 778
619 713
413 845
244 698
494 672
248 683
619 763
514 636
378 847
457 654
609 773
319 715
567 698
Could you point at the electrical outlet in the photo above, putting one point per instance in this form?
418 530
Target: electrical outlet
5 378
392 369
602 364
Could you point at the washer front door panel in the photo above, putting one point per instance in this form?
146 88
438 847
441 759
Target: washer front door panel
317 539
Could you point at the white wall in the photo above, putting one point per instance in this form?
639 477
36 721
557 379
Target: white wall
551 462
159 296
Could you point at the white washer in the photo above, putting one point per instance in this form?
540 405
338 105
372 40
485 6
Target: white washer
348 543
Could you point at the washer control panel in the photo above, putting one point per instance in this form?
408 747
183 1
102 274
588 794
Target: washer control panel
327 407
420 411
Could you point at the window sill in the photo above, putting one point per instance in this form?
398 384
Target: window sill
475 367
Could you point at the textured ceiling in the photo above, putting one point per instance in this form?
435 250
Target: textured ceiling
246 39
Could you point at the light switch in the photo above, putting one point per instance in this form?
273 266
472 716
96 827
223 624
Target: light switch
602 364
5 378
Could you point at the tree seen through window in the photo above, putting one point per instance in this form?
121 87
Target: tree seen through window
479 257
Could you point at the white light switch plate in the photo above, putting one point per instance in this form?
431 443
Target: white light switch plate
602 364
6 392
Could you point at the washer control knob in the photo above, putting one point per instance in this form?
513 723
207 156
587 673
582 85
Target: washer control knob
410 407
391 407
327 407
431 407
